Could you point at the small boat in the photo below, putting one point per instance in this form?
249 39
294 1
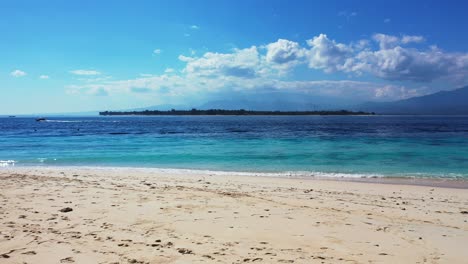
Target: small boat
40 119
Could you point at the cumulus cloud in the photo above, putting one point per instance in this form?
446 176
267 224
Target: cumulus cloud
386 41
392 61
157 51
264 68
326 54
185 58
194 27
284 52
409 39
85 72
400 64
389 41
410 64
44 77
18 73
242 63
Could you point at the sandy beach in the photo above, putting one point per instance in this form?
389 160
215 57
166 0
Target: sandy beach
99 215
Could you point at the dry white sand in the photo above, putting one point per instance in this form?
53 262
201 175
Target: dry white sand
141 216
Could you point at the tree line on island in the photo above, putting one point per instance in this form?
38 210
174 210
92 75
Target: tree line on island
232 112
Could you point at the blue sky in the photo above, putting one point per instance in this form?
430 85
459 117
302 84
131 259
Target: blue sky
67 56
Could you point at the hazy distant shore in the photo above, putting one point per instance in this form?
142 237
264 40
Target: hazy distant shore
135 215
241 112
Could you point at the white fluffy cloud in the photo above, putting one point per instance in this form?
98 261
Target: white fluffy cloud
264 68
328 55
386 41
241 63
401 64
85 72
44 77
392 61
284 52
157 51
389 41
17 73
408 39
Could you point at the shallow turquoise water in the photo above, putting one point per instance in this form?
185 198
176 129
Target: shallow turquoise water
353 146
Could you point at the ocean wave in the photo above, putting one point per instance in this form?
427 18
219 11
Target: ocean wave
208 172
288 174
282 174
7 163
293 174
43 160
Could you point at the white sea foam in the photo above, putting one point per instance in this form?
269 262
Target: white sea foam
289 174
283 174
301 174
297 174
7 163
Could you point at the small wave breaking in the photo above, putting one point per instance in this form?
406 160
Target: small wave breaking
7 163
281 174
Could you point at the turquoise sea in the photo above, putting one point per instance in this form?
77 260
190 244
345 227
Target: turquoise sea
336 146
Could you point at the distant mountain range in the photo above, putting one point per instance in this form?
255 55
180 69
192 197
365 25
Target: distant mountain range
453 102
276 104
265 102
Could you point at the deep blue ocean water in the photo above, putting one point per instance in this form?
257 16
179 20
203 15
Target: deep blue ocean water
420 146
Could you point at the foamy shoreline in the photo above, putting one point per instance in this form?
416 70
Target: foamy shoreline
446 182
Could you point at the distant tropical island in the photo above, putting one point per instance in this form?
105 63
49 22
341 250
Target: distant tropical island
230 112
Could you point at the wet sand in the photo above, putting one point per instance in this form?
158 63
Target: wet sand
108 215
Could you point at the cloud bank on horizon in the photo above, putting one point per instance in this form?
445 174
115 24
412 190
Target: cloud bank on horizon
268 68
337 52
